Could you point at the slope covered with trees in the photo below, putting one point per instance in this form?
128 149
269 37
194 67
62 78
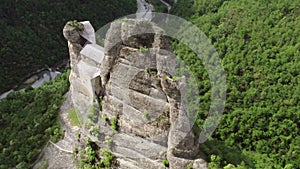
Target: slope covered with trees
28 120
259 44
31 31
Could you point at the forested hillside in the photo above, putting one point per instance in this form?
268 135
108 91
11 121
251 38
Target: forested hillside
28 120
259 43
31 31
31 36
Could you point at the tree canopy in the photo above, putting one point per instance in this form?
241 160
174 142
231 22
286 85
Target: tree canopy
28 120
259 44
31 32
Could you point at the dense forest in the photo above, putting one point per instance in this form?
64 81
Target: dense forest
31 36
259 44
31 32
28 120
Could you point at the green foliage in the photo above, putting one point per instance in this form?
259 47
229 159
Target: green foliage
165 163
175 78
21 165
56 133
79 26
108 140
29 119
222 154
258 42
146 116
93 113
88 125
153 73
90 159
190 166
104 117
75 151
184 8
75 117
95 131
161 119
143 49
147 70
100 103
107 159
102 42
91 124
31 32
215 162
165 77
114 123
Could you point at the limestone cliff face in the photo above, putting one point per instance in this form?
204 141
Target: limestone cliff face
85 58
133 77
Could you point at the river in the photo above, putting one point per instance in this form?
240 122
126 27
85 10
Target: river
36 80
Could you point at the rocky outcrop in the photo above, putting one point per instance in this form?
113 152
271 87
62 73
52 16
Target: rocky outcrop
84 63
133 76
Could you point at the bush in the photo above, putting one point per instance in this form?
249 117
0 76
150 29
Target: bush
107 158
165 163
146 116
90 158
104 117
114 123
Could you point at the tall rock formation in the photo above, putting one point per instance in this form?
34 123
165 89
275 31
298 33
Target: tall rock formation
133 76
85 59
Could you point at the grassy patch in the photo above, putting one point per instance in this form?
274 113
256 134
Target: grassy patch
114 123
143 49
75 117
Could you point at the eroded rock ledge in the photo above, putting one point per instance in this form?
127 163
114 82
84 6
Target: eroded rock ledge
132 75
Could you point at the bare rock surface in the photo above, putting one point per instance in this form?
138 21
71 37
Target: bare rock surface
133 77
136 75
53 158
